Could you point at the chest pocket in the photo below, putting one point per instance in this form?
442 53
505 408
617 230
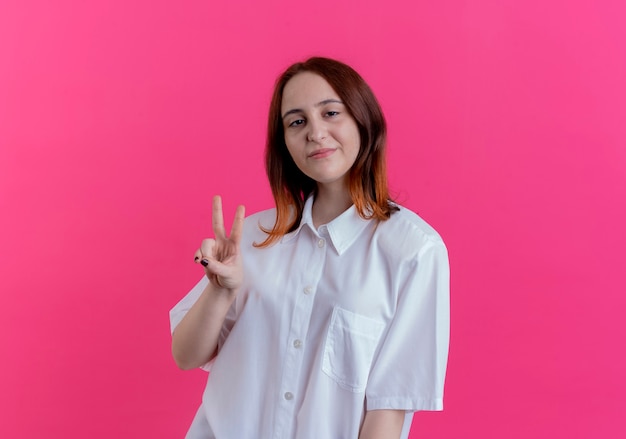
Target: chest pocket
349 348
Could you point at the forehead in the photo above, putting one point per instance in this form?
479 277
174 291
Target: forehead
306 89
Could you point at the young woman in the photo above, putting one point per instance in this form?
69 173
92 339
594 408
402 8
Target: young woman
328 316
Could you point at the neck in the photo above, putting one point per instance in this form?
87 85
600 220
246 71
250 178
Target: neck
330 202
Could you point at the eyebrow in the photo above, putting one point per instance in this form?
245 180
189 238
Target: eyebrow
319 104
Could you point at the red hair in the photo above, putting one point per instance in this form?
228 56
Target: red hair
368 176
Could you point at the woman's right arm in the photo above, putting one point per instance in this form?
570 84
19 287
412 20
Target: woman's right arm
194 341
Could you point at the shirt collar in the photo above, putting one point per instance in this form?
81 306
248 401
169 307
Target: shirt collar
342 231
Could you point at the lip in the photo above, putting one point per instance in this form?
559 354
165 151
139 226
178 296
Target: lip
321 153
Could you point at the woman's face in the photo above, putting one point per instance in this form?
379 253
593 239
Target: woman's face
321 135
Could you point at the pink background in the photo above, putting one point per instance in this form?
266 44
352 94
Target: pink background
120 119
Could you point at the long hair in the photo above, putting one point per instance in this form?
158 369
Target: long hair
368 176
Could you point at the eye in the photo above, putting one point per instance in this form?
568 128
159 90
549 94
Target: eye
332 113
296 123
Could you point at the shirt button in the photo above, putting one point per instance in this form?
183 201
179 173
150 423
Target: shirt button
308 290
288 396
297 343
320 243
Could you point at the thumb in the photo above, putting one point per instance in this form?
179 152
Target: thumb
215 267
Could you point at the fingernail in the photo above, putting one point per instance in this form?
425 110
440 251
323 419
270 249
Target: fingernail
204 262
196 259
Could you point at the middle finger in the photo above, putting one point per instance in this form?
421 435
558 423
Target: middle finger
218 218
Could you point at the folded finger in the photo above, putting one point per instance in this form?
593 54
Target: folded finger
207 248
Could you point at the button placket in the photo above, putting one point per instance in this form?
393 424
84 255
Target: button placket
297 333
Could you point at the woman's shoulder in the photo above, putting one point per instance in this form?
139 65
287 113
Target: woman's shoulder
407 233
255 223
406 218
263 216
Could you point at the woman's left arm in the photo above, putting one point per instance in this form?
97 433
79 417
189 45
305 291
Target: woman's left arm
382 424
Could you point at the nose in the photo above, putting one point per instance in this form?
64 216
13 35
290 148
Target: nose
316 131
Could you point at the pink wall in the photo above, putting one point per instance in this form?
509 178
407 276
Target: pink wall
120 119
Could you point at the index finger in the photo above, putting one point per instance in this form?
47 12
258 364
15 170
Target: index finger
237 229
218 218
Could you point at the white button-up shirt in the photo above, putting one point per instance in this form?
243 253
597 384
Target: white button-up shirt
329 323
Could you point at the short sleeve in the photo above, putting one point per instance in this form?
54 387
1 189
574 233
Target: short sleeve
409 370
180 310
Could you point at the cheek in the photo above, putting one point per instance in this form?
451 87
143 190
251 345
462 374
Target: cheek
291 150
290 140
351 134
294 143
355 141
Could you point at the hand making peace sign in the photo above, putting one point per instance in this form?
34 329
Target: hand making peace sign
221 256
